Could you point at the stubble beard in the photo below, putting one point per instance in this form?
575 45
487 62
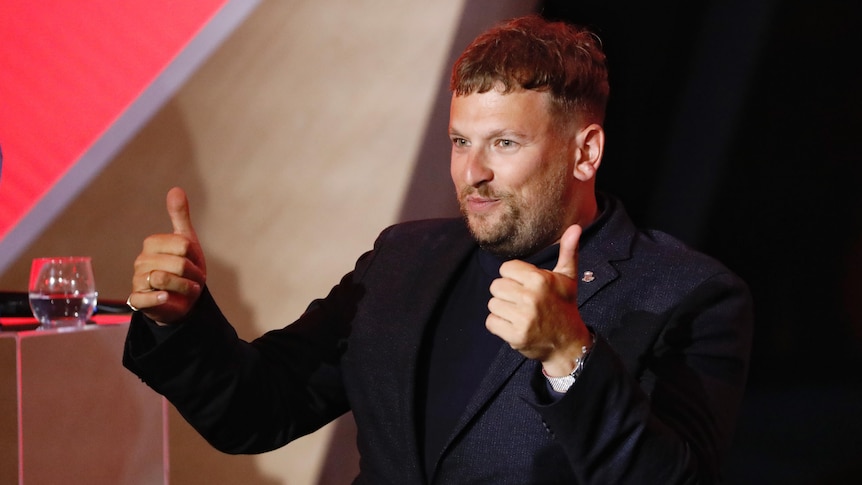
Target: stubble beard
518 228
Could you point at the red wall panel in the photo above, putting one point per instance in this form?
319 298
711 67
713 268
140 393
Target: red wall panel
68 70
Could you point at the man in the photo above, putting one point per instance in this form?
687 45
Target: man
541 339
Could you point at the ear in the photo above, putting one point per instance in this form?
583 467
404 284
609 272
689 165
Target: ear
590 145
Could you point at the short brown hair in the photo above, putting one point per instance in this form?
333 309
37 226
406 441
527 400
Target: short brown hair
531 53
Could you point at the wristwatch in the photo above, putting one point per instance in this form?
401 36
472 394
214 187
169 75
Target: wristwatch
562 384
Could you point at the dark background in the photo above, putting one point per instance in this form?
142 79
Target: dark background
734 125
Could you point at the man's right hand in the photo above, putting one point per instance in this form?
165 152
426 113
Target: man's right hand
170 272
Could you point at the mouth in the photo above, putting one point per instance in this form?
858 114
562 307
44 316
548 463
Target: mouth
477 204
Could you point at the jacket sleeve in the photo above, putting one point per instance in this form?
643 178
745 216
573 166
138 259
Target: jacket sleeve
670 420
250 397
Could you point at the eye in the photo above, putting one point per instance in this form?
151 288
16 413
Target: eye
459 142
504 143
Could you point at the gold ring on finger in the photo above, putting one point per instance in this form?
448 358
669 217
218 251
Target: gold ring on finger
129 304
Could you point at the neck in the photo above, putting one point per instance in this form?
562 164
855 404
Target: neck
585 214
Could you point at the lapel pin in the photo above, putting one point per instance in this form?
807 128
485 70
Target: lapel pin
588 276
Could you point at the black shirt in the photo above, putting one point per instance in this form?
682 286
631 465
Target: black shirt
459 349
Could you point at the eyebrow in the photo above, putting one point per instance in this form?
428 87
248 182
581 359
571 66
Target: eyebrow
502 133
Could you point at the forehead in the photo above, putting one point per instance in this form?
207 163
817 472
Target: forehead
493 110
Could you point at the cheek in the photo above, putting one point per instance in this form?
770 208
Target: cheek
453 173
456 169
520 177
540 184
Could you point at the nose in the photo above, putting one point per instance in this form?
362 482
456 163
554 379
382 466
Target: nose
476 169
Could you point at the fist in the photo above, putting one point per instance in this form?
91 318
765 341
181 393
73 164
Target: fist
536 311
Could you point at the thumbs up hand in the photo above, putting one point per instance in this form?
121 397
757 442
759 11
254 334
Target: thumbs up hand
170 272
567 262
536 311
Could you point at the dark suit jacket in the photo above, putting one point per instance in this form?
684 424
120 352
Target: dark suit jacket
655 404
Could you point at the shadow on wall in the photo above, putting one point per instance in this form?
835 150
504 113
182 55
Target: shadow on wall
159 157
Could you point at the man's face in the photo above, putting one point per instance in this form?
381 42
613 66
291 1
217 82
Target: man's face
512 170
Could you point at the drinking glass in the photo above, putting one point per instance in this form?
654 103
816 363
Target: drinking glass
62 291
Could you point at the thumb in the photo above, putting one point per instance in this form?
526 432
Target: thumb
567 263
178 210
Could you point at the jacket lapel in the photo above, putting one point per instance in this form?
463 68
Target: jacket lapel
504 366
609 241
